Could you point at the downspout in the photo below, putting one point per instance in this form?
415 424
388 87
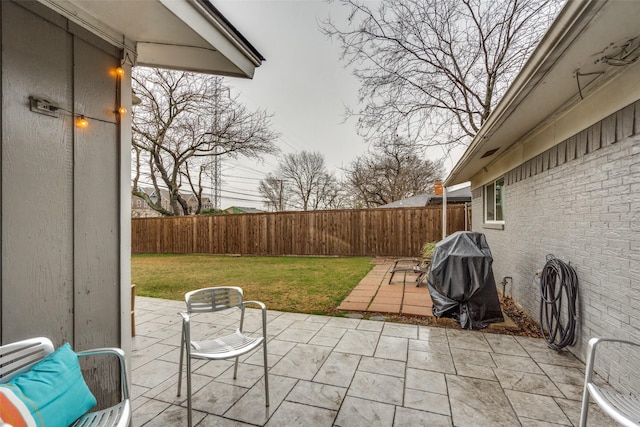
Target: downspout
444 211
466 216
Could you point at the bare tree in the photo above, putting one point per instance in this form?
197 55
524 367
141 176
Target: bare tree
434 69
301 182
327 194
182 121
323 191
273 190
302 172
392 171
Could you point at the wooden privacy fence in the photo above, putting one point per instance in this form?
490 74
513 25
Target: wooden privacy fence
363 232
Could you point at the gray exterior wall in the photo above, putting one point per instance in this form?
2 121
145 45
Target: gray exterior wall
60 186
579 201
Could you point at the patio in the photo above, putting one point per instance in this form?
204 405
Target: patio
339 371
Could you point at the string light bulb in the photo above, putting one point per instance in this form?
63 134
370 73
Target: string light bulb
120 72
82 122
122 110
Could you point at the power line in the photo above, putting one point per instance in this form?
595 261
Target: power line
246 168
243 177
246 191
236 189
265 201
237 192
204 187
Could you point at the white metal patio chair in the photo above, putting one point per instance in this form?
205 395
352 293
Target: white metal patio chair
209 300
623 408
18 357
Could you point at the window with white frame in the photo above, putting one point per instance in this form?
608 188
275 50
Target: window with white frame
494 201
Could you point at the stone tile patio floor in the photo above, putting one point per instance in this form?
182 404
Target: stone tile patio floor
336 371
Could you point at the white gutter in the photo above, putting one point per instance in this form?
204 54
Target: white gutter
231 36
215 33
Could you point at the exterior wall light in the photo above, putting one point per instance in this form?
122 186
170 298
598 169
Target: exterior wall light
82 122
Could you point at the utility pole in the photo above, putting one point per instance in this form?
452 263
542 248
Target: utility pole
216 173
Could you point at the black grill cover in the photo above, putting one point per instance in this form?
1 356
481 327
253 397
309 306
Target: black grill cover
461 281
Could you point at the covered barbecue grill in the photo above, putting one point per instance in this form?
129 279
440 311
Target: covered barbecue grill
461 281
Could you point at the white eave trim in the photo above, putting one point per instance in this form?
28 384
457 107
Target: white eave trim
229 52
201 21
89 23
571 16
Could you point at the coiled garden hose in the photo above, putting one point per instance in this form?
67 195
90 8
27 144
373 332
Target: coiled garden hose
558 282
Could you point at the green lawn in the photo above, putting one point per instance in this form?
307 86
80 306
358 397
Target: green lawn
313 285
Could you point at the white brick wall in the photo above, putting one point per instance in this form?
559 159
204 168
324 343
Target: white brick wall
585 212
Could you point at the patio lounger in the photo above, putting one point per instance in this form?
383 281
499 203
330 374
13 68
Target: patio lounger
420 266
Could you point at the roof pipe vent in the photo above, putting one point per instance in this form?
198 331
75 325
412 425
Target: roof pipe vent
437 188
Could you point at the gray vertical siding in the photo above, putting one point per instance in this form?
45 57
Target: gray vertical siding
96 198
586 211
60 188
37 171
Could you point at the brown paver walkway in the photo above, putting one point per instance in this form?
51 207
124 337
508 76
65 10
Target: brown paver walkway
402 296
375 294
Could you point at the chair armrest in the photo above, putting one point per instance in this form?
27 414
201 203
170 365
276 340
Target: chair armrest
591 353
593 342
258 303
263 308
121 360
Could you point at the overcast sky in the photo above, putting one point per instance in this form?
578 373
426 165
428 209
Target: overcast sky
302 83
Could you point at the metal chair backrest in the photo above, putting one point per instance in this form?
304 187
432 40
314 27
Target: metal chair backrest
19 357
213 299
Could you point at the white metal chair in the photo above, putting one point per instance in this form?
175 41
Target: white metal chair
623 408
18 357
209 300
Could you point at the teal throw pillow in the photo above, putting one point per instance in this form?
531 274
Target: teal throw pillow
53 391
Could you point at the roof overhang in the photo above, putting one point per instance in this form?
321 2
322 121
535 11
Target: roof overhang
180 34
571 62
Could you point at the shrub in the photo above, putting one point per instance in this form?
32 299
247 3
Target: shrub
427 249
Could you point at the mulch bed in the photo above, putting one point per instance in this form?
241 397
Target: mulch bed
526 326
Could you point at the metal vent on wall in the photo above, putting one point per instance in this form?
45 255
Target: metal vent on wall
489 153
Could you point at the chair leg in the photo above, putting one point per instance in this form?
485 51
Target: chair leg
588 377
266 374
235 369
584 410
183 345
189 390
180 364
